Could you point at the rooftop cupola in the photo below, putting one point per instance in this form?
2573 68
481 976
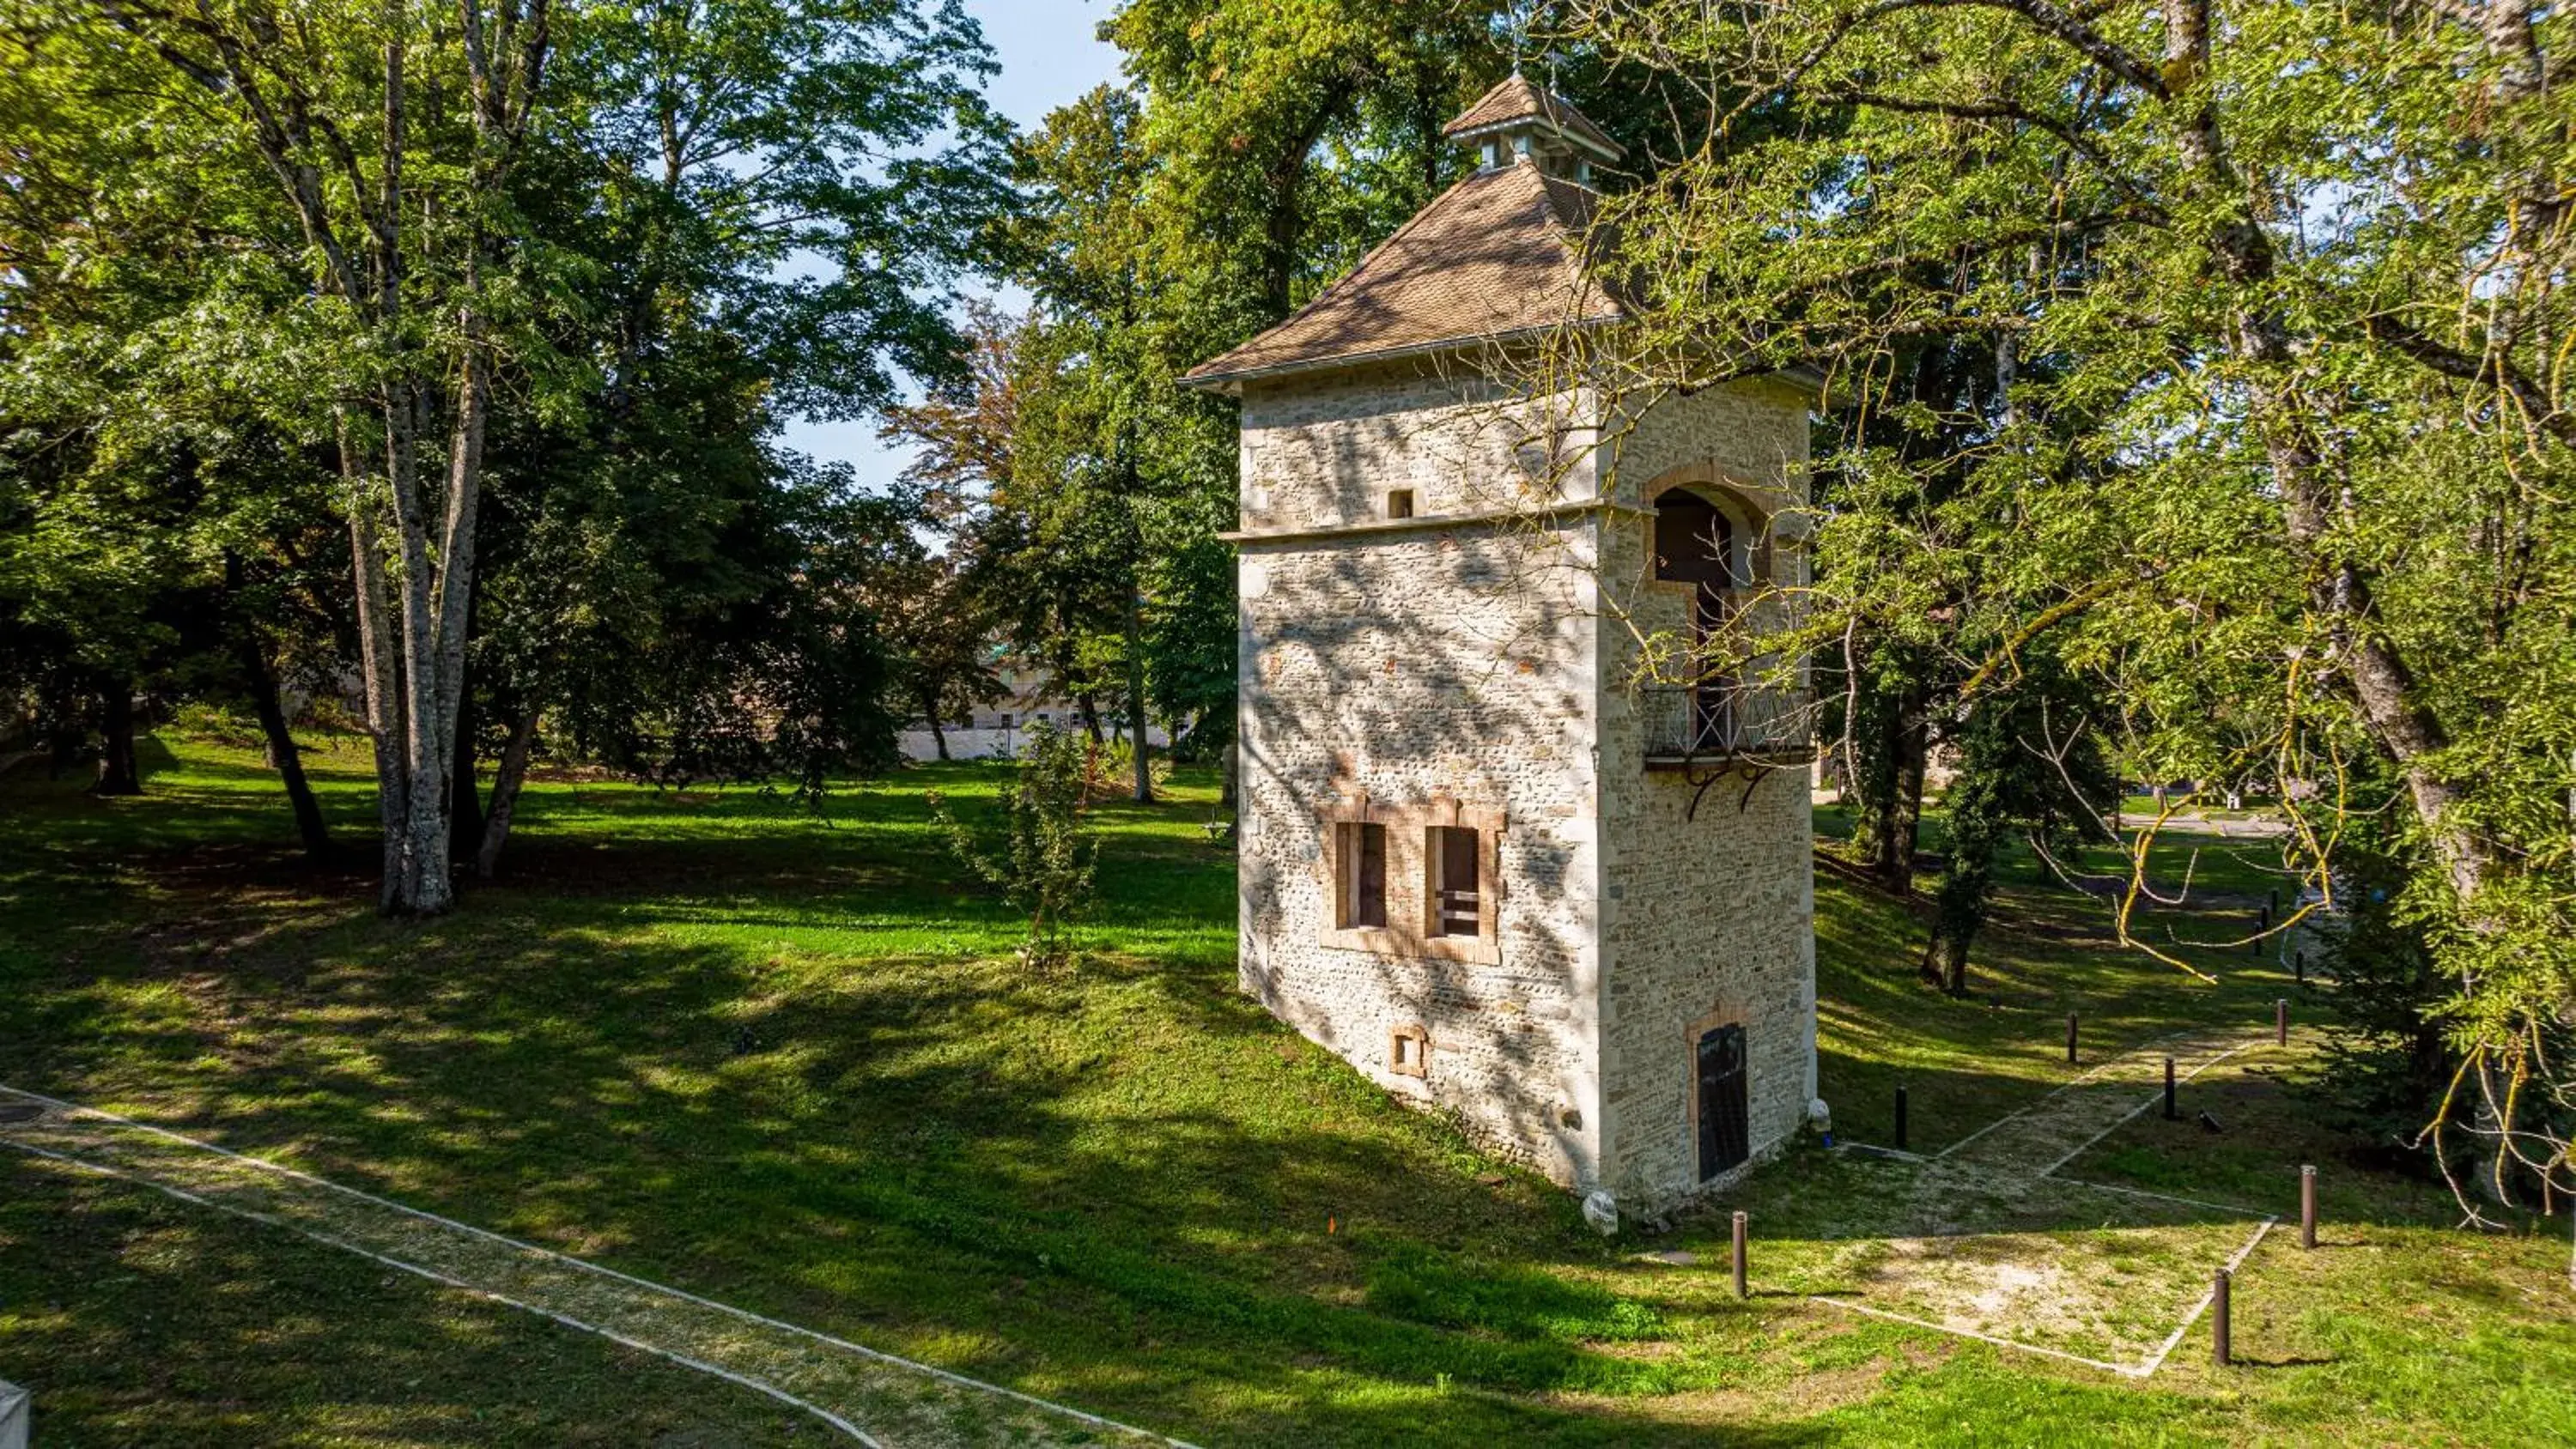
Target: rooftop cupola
1519 122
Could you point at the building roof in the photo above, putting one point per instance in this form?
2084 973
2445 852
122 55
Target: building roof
1498 254
1516 101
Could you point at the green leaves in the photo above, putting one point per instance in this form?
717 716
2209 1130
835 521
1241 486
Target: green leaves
1042 862
2278 445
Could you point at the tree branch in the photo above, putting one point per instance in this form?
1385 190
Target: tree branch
2487 367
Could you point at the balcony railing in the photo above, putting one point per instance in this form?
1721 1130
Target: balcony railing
1725 720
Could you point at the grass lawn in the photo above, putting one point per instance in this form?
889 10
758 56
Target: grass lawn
147 1321
786 1060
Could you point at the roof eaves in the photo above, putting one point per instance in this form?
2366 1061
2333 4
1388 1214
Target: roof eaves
1233 380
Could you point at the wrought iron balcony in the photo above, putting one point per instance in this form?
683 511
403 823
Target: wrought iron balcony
1724 720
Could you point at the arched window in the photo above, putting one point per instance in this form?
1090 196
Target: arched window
1694 542
1695 545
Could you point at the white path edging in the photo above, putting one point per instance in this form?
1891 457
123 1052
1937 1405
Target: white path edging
2132 1114
2080 1079
2219 1051
2127 1370
2174 1340
434 1276
639 1289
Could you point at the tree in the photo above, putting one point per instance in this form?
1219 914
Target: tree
671 233
940 644
943 613
1044 860
2031 762
389 137
157 410
737 221
1290 139
2336 482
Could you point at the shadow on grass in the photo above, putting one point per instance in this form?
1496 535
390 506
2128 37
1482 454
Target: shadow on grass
669 1051
783 1060
136 1320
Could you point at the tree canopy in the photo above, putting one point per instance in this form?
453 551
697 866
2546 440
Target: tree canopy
2277 448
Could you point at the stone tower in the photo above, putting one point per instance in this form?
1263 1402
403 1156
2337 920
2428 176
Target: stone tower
1479 860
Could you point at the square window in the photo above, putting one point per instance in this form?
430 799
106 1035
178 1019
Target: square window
1361 847
1456 857
1399 503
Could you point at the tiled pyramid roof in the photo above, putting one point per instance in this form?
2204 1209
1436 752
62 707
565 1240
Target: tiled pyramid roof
1515 99
1497 254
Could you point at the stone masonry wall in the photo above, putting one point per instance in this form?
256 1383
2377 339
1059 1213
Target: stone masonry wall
1395 669
1324 451
1708 916
1403 671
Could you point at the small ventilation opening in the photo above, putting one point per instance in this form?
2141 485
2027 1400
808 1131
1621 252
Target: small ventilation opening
1408 1052
1399 503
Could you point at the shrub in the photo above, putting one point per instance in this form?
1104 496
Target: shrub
1042 862
1112 769
217 724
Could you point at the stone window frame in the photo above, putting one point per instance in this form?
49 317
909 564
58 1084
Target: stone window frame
1435 868
1411 924
1419 1064
1344 877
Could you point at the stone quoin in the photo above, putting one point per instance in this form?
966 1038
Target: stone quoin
1480 860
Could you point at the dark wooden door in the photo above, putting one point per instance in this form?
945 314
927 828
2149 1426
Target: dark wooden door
1725 1131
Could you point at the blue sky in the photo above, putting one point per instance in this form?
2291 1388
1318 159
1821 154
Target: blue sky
1049 56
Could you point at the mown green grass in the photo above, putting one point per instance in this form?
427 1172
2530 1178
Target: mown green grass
2050 953
786 1059
141 1320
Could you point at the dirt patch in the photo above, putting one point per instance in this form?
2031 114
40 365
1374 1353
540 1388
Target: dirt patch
1798 1397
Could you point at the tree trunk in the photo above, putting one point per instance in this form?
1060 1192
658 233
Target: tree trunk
118 774
283 755
1090 708
426 888
930 712
1284 220
2373 674
464 793
1900 822
506 779
1959 912
1945 961
381 670
1136 697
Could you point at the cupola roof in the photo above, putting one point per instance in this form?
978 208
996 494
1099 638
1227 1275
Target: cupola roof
1518 105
